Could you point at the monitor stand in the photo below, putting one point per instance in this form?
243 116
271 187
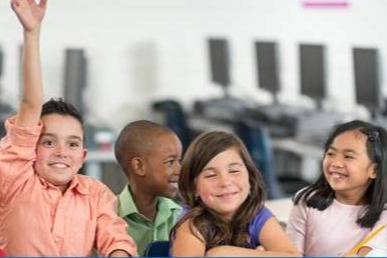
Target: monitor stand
315 127
226 108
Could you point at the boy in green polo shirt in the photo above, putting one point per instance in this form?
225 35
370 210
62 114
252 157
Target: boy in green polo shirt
149 154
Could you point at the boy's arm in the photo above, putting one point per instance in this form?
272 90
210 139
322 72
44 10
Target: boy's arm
112 238
30 15
18 152
119 253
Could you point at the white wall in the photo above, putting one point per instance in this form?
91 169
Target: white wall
139 50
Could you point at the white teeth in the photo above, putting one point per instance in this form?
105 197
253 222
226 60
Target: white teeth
226 194
174 184
337 175
59 165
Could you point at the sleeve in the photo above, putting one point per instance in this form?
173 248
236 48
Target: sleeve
17 155
256 225
111 231
296 226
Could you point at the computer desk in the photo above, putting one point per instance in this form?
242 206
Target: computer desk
202 124
310 155
280 208
301 148
94 161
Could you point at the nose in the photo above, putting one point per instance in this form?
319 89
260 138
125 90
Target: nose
61 150
225 180
176 168
336 163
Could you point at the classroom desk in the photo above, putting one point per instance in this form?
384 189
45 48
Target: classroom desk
300 148
280 208
201 124
94 160
311 156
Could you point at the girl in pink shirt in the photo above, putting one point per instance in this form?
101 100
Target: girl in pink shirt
348 202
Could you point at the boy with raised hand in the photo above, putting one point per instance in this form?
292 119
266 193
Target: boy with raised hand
149 154
46 208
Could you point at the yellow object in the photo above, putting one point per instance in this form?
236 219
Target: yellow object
371 235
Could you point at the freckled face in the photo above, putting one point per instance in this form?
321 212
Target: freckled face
60 150
224 185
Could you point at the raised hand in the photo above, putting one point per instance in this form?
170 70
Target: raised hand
29 12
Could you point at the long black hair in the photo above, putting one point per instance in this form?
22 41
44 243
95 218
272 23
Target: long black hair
320 195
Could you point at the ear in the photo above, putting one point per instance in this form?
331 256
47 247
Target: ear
374 171
84 154
138 166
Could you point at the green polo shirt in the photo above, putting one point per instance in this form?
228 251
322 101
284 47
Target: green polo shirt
143 230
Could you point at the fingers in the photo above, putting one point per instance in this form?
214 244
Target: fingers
15 4
43 4
29 12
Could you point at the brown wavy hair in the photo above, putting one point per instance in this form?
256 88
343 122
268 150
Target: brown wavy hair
203 220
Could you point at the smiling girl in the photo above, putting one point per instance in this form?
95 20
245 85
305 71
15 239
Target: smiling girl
348 201
224 194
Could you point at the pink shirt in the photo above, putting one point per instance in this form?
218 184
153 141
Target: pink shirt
331 232
37 220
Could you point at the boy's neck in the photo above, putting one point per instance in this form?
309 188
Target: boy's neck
145 204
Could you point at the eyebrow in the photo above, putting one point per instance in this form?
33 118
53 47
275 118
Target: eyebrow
53 135
172 156
228 165
345 150
235 163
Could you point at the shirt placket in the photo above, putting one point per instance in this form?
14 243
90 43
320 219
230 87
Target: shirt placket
60 223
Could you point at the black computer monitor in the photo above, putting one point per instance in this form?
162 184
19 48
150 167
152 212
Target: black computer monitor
75 77
219 62
367 82
312 72
1 62
267 67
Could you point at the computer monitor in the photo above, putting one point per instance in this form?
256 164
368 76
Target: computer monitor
1 62
219 62
75 76
267 67
367 82
312 72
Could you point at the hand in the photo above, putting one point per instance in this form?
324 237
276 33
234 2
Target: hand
364 250
119 253
260 249
29 13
